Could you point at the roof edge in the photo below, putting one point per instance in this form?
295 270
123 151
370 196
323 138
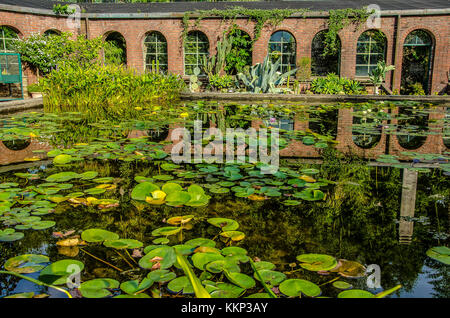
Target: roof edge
179 15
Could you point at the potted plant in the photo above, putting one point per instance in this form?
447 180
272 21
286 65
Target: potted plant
35 90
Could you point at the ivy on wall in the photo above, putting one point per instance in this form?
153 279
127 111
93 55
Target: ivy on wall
338 19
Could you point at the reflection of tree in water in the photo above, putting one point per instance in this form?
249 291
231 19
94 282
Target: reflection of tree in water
439 277
356 222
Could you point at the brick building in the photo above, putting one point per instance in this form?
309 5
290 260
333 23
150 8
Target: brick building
153 31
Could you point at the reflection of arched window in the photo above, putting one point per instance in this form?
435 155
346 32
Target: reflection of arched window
417 61
115 49
51 32
412 131
366 132
322 64
370 49
7 37
282 44
16 145
324 122
196 47
156 52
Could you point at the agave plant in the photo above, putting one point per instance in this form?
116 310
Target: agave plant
265 77
378 74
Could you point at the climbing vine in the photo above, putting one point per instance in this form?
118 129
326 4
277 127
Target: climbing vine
339 19
258 16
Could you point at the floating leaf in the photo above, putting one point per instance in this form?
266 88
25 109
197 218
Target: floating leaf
164 255
27 263
98 288
98 235
295 287
317 262
440 253
123 244
224 224
58 272
355 293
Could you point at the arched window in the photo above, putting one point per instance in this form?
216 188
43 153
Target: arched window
282 45
370 49
196 47
7 37
52 32
241 52
115 49
322 64
417 61
156 52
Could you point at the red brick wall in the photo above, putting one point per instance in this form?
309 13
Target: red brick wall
304 30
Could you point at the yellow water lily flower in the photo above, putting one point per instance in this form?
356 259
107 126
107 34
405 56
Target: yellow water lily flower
184 115
157 197
138 108
32 135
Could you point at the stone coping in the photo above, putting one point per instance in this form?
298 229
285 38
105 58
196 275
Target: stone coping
20 105
316 98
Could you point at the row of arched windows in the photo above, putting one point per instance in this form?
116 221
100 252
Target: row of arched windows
370 49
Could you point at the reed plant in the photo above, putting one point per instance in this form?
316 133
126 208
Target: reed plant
109 92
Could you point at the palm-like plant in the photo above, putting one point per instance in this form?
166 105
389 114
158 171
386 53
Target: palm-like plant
378 75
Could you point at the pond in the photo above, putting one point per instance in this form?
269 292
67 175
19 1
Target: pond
358 204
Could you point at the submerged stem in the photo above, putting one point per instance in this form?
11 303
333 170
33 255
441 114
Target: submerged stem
99 259
37 282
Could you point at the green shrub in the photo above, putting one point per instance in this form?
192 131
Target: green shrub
106 91
221 82
416 89
333 84
46 52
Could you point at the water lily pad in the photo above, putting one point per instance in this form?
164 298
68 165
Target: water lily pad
58 272
62 159
171 187
98 235
62 177
242 280
224 224
270 277
88 175
166 231
98 288
355 293
342 285
310 195
181 284
296 287
347 268
178 198
134 286
123 244
164 255
27 263
440 253
201 242
201 259
143 190
317 262
10 235
264 265
42 225
161 275
233 235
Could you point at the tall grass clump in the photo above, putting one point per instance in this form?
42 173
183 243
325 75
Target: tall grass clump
109 92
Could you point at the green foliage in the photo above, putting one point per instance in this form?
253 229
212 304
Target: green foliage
75 87
304 69
114 53
339 19
214 65
260 17
62 9
265 77
378 75
46 52
221 82
333 84
240 54
415 89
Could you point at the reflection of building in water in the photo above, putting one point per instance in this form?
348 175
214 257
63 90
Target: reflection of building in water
408 204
